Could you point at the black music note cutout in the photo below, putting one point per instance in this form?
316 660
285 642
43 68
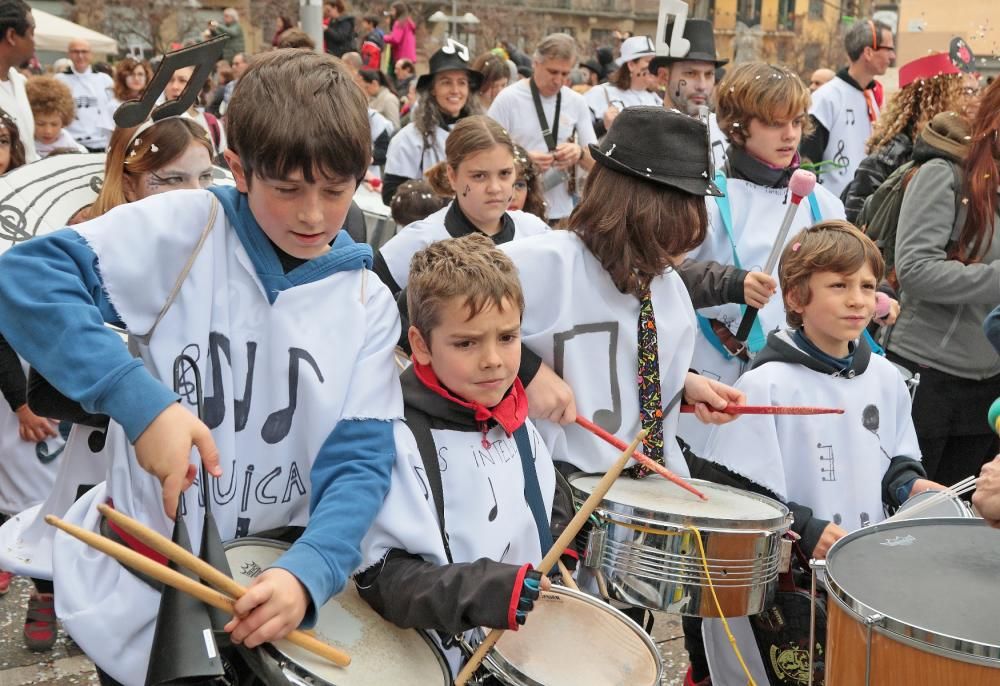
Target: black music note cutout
214 409
829 470
496 508
870 420
849 117
202 57
279 423
423 484
608 419
840 159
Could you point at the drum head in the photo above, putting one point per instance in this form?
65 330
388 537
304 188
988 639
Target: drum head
949 507
381 653
662 500
934 580
573 639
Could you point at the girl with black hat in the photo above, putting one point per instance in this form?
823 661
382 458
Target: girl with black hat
445 95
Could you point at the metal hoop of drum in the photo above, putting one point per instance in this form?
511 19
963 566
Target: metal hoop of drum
608 647
911 380
950 506
381 653
890 621
643 552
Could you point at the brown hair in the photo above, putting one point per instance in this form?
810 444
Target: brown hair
155 147
429 117
492 67
122 69
980 187
414 200
915 105
470 267
527 171
295 38
49 95
296 110
636 237
830 246
765 92
469 136
621 78
17 155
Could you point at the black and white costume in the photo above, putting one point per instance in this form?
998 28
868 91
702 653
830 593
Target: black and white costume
93 97
14 101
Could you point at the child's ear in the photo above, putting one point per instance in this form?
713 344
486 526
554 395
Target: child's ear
236 167
128 188
421 348
792 301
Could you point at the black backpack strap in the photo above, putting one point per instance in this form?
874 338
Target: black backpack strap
532 491
417 423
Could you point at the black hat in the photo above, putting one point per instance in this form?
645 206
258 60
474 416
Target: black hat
594 66
452 57
701 35
662 146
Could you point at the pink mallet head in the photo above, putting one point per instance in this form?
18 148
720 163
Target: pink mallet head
881 305
801 184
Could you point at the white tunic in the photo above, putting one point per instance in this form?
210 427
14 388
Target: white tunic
409 157
718 141
587 331
92 94
514 108
484 503
14 101
600 97
833 464
379 125
757 213
843 110
401 248
277 379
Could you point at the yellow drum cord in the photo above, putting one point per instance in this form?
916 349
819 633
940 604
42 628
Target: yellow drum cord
718 606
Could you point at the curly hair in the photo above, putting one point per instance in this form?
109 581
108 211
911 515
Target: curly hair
123 68
915 105
429 115
49 95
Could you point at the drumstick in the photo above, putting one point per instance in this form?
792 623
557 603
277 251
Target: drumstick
165 575
639 457
552 557
769 409
567 577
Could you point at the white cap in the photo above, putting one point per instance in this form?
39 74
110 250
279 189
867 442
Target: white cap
635 47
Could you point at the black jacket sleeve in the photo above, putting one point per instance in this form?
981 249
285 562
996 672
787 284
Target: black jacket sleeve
13 383
380 148
45 401
812 146
870 174
391 182
901 471
415 594
711 283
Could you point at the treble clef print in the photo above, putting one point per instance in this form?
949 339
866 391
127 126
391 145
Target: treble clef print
13 224
840 159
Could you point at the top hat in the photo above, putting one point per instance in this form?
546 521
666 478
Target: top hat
635 48
453 56
701 35
662 146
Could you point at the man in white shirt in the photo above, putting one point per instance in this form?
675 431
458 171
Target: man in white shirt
559 145
17 46
92 95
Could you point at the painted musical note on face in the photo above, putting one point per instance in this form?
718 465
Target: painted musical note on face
609 419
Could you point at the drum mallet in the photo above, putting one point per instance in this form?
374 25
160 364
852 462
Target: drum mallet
165 575
800 186
551 557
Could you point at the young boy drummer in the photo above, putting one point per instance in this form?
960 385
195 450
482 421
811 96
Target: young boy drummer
294 337
837 471
473 502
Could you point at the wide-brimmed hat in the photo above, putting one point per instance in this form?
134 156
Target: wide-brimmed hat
452 57
635 47
701 35
661 146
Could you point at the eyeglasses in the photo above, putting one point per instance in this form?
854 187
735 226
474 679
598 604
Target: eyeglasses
890 48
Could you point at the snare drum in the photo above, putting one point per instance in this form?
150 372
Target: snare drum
381 653
644 553
573 639
951 506
914 602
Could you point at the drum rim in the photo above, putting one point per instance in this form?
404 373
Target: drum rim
962 510
287 663
611 510
934 642
499 666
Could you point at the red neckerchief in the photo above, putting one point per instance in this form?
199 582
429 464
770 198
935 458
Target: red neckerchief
509 413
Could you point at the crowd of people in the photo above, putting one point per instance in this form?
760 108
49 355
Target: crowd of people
576 234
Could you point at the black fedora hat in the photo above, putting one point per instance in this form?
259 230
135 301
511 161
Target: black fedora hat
661 146
453 56
701 35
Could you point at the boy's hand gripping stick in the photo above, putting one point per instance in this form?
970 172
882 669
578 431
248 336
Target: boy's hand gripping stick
800 185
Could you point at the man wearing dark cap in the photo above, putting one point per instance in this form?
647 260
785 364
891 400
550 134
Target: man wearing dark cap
690 77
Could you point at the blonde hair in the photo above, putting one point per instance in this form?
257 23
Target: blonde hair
471 268
915 105
475 134
756 90
830 246
49 95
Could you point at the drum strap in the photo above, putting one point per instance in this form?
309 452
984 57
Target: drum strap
532 491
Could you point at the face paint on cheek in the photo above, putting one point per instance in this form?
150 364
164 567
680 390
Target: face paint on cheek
466 192
680 84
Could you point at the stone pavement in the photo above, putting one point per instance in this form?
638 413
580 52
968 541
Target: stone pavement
65 665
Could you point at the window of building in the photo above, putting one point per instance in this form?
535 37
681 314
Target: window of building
748 11
786 14
703 9
816 9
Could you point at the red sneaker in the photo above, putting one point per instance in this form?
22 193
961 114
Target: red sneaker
40 624
689 679
5 579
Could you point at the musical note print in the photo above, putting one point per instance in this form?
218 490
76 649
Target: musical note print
423 484
840 160
870 420
849 117
13 224
609 419
504 553
215 405
279 423
828 463
496 507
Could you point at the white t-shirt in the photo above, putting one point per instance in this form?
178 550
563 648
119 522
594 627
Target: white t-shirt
14 101
514 109
599 98
843 110
409 156
93 93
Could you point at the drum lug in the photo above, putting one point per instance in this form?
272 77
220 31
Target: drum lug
594 553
